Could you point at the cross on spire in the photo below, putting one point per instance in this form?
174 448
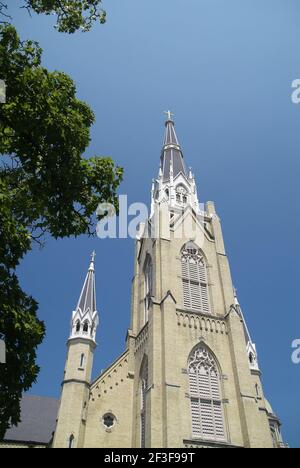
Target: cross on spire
92 265
169 114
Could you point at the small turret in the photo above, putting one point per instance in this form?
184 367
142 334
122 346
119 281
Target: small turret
85 319
70 429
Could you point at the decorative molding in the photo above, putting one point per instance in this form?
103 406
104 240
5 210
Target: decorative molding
211 236
120 362
159 303
172 385
256 372
263 409
202 358
201 322
78 381
248 397
202 443
201 314
80 339
142 338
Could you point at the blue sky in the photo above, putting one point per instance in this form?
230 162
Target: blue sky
225 68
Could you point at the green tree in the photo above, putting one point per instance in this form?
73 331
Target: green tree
72 15
46 186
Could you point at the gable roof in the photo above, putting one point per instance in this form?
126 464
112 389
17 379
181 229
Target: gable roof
38 420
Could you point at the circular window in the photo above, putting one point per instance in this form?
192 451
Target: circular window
109 420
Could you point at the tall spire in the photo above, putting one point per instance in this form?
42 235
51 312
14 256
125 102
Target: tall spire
85 318
175 185
87 300
171 152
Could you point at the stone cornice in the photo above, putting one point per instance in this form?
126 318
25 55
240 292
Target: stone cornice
78 381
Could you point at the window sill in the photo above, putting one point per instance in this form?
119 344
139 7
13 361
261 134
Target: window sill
194 442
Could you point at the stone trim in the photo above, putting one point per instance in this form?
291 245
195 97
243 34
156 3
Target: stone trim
78 381
202 322
202 443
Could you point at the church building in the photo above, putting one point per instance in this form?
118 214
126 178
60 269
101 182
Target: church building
189 375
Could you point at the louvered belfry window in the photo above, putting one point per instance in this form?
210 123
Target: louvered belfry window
194 279
205 394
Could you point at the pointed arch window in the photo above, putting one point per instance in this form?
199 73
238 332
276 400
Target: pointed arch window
143 389
205 394
194 279
78 326
148 278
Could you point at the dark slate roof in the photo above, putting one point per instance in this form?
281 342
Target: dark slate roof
172 152
38 420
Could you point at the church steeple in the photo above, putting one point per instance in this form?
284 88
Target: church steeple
71 423
171 157
85 318
175 185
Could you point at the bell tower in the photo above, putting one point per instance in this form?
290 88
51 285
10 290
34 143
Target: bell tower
81 345
197 382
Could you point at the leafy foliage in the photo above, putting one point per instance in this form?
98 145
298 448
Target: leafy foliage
23 333
46 129
46 186
72 15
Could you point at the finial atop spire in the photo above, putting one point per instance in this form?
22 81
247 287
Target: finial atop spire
170 115
235 296
92 265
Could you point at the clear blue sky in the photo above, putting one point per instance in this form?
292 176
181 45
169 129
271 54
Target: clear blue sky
225 68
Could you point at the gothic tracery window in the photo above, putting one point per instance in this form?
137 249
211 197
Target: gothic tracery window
194 279
205 395
181 195
109 420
